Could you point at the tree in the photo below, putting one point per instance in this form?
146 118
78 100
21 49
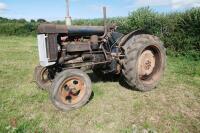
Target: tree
41 20
32 21
22 20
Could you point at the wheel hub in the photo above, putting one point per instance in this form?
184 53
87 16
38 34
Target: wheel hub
146 63
72 90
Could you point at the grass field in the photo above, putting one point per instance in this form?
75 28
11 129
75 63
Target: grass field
174 106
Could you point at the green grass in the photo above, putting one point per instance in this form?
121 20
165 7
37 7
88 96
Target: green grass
174 106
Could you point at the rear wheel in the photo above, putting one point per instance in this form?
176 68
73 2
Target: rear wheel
41 77
71 89
145 62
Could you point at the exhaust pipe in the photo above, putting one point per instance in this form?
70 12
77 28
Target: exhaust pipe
105 23
68 19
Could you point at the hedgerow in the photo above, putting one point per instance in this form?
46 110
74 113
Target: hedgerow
180 31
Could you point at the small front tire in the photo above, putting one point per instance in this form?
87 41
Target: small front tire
41 77
71 89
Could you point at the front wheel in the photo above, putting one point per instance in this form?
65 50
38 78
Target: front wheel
41 77
71 89
145 62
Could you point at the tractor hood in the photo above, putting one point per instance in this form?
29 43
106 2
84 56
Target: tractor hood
71 30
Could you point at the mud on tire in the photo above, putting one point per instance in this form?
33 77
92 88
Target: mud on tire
145 62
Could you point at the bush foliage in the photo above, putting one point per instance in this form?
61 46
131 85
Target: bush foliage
180 31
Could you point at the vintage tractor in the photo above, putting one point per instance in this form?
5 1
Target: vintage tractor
64 51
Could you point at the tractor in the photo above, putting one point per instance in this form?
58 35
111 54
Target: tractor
66 51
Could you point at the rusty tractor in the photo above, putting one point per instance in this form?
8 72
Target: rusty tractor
64 51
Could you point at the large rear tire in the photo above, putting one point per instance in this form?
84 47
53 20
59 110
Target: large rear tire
71 89
145 62
41 77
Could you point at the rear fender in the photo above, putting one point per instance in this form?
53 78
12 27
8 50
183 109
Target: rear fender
130 35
